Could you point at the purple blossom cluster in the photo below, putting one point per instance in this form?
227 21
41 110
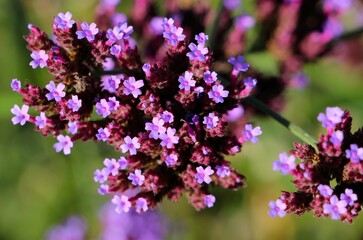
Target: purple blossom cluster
167 116
329 180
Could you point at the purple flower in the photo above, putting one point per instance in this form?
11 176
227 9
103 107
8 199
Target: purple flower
122 161
218 93
15 85
209 200
201 38
336 6
173 36
113 103
115 50
325 190
232 4
332 117
211 120
167 24
186 82
244 22
75 104
39 59
40 120
137 179
63 21
88 31
156 25
122 203
337 138
72 127
355 154
133 87
119 32
349 197
111 83
234 114
223 171
55 92
250 133
103 134
239 64
285 163
156 127
141 205
111 166
73 229
102 108
203 175
168 139
168 117
335 208
130 145
197 53
210 77
103 189
171 160
21 115
100 175
146 68
277 208
64 143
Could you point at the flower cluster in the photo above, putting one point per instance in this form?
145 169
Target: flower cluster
166 116
329 180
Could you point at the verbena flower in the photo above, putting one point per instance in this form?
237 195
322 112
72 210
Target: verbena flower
64 20
337 159
166 116
39 59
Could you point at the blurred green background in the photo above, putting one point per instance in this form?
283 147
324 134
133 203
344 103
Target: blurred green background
40 188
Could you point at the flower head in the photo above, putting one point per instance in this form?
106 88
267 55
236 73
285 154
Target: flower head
218 93
355 154
122 203
186 82
64 144
136 178
197 52
88 31
130 145
211 121
39 59
239 64
21 115
203 175
168 139
209 200
74 103
277 208
250 133
55 92
133 87
15 85
332 117
174 35
336 207
285 163
103 134
63 21
40 120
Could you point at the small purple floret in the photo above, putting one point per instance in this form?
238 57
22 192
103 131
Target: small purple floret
21 115
285 163
136 178
39 59
64 144
203 175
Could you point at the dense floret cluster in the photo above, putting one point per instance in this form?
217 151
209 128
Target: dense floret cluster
167 117
329 180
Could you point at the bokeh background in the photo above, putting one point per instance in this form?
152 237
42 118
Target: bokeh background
40 188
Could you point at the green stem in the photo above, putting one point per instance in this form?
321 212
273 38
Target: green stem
294 129
345 36
213 29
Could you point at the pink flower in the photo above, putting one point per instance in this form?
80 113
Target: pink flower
122 203
133 87
203 175
64 143
130 145
21 115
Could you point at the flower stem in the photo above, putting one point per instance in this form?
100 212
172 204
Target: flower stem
213 29
294 129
